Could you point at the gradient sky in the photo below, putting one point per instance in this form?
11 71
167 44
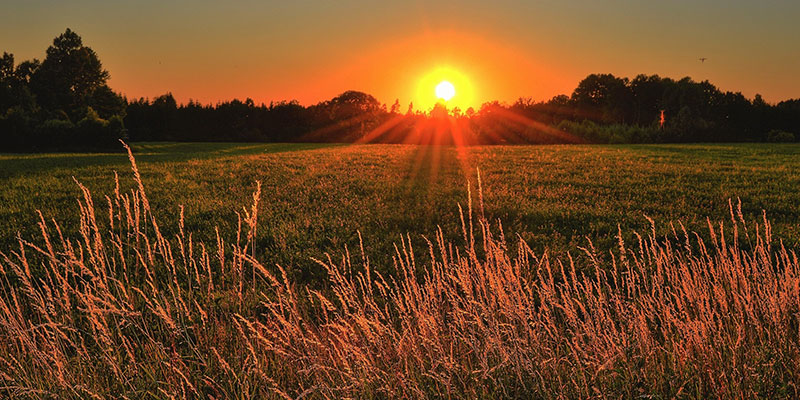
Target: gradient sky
503 49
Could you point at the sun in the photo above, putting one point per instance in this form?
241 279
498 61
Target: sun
448 84
445 90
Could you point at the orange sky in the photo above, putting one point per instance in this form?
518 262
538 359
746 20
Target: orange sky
479 68
312 51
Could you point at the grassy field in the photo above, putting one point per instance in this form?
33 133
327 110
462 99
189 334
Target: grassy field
317 197
131 300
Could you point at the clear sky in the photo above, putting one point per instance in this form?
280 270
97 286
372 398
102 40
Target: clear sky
493 50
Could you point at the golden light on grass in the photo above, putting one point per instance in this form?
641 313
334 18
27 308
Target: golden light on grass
120 310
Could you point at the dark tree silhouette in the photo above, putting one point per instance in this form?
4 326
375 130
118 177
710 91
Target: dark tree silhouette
605 96
69 77
63 102
603 109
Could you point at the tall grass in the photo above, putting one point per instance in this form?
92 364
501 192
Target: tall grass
122 311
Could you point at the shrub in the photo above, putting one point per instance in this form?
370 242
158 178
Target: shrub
95 132
52 133
55 127
613 133
778 136
15 129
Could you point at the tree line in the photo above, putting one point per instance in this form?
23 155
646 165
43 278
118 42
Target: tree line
62 102
65 103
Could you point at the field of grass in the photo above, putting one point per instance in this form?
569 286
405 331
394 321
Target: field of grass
316 198
130 299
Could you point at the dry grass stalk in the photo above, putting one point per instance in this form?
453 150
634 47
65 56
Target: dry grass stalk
122 310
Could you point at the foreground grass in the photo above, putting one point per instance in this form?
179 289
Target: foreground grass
123 310
316 198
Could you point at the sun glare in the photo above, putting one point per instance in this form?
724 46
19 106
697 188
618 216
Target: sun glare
445 90
440 84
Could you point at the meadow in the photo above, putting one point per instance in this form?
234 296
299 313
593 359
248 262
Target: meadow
316 198
384 271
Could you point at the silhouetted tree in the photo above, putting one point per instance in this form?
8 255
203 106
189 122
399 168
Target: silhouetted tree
648 92
69 76
64 102
14 91
604 97
60 103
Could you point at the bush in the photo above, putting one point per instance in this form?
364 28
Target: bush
51 133
15 128
116 127
613 134
779 136
98 133
20 131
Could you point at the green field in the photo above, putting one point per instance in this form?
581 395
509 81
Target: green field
132 306
317 197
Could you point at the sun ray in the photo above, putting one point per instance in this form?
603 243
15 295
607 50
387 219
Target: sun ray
556 134
381 129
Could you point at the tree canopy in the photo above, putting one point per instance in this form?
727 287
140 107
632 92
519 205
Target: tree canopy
61 102
64 102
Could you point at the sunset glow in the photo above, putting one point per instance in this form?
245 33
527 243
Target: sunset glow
538 49
399 199
448 84
523 49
